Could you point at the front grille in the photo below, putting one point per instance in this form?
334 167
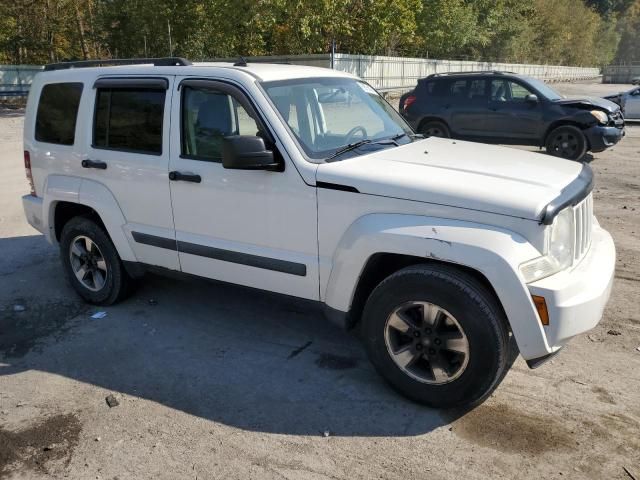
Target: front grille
583 223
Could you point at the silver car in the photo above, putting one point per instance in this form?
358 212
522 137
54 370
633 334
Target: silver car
629 101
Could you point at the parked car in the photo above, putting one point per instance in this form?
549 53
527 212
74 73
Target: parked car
448 256
629 102
507 108
635 81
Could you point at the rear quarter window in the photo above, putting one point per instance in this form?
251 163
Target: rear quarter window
57 113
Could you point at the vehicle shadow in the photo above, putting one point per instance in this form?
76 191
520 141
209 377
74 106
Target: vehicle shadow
245 358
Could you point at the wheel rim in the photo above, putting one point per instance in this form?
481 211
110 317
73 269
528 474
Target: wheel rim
88 263
426 342
565 144
434 132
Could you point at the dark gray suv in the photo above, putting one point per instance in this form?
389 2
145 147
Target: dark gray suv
501 107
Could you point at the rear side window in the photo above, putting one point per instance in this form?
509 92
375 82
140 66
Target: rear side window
57 113
129 119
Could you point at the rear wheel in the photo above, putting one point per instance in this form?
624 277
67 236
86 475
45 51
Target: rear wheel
91 262
434 128
437 336
567 142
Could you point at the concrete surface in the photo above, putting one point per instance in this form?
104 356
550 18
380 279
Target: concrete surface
216 381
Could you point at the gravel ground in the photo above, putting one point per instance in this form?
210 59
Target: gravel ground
213 385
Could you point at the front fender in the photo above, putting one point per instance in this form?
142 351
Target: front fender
494 252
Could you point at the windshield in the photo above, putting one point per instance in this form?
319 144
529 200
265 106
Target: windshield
544 89
328 114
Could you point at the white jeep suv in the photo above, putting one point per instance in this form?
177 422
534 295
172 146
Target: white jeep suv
305 182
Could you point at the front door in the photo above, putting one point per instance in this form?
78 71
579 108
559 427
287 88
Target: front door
511 115
250 227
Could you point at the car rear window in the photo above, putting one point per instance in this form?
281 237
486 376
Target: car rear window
129 119
57 113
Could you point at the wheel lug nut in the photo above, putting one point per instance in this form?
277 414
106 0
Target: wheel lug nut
432 351
419 346
428 331
437 341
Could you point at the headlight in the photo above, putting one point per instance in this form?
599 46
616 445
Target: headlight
600 116
558 252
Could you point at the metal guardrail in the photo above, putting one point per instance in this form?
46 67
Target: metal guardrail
384 73
15 80
620 73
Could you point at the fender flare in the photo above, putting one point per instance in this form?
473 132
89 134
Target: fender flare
494 252
62 188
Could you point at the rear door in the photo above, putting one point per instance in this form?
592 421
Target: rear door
510 115
129 154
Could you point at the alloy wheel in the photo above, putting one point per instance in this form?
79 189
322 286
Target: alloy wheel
426 342
88 263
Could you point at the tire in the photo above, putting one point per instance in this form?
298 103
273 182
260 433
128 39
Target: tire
116 282
434 128
567 142
472 307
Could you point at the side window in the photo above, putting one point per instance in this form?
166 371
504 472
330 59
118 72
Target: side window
57 113
129 119
477 90
458 89
207 117
498 90
518 92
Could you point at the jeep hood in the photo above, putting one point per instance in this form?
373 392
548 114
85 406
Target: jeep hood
461 174
588 102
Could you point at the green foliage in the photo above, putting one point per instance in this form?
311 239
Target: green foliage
575 32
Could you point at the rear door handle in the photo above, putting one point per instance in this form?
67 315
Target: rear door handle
185 177
94 164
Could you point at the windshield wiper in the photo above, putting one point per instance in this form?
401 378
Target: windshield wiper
412 136
348 148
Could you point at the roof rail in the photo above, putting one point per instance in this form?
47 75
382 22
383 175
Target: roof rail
495 72
158 62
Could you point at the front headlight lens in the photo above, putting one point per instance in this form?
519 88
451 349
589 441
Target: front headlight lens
559 251
600 116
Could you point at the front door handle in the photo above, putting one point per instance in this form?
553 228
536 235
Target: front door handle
185 177
94 164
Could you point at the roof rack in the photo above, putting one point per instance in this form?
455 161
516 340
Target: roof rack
495 72
158 62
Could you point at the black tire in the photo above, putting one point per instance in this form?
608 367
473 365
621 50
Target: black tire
434 128
477 312
567 142
117 282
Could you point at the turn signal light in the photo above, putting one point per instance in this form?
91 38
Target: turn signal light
541 306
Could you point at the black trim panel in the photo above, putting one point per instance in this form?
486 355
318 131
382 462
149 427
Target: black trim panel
337 186
266 263
155 241
152 83
574 193
257 261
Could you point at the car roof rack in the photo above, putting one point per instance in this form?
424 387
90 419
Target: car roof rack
109 62
494 72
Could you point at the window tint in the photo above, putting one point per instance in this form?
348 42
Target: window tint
458 88
57 113
477 89
129 119
508 91
207 117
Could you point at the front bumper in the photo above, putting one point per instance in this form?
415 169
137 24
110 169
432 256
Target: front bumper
33 211
600 138
576 298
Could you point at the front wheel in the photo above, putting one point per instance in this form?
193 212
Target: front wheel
91 262
567 142
437 336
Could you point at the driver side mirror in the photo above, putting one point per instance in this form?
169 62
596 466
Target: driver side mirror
247 152
531 98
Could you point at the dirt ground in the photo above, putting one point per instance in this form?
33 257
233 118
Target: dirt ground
220 382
